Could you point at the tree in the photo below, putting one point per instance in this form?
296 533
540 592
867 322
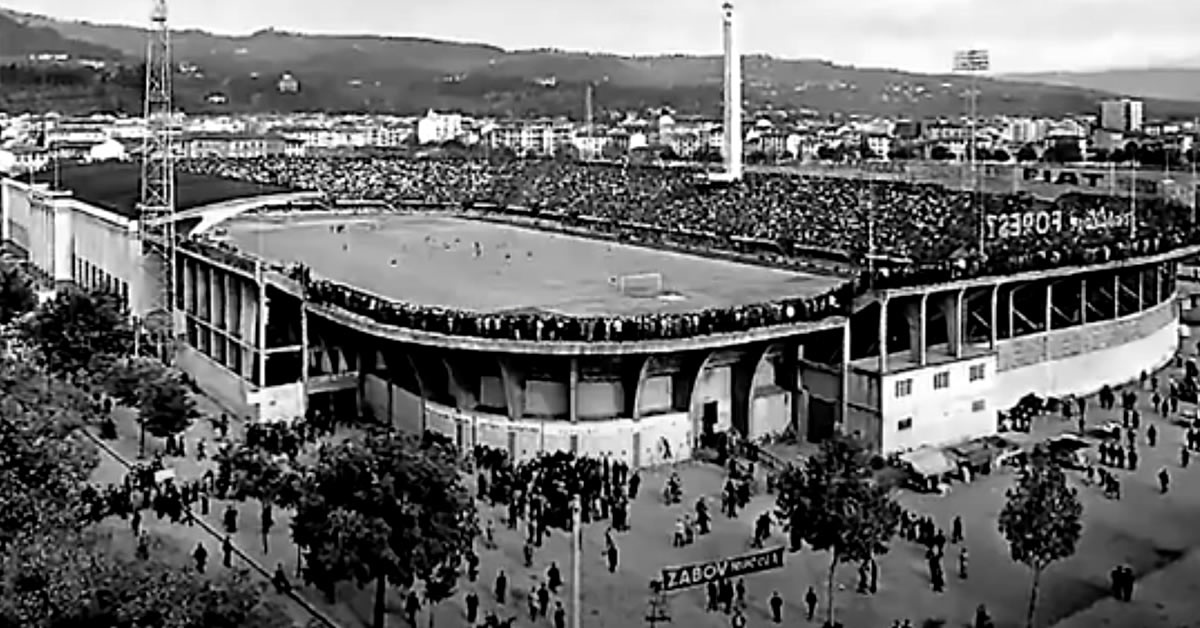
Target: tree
17 296
124 377
1131 150
1041 519
901 152
42 465
1001 156
385 508
165 405
254 474
940 153
1027 154
75 326
67 578
834 504
1063 153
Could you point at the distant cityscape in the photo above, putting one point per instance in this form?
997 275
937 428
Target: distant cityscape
1119 131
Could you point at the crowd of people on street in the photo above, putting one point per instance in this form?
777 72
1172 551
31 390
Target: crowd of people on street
894 232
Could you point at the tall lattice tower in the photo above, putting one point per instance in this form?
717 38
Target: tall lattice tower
156 224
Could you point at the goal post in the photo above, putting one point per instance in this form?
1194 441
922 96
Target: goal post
644 285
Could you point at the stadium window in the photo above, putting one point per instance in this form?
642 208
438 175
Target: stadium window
903 387
978 405
978 371
941 380
904 424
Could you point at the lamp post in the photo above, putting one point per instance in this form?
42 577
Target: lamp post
576 563
141 438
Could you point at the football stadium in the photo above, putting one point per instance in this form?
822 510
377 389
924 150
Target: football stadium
622 310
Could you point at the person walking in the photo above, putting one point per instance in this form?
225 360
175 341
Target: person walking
776 607
201 557
810 602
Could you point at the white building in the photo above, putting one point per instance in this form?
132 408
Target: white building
108 150
436 128
532 137
1125 115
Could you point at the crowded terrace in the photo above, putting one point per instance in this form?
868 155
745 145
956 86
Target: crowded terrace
893 233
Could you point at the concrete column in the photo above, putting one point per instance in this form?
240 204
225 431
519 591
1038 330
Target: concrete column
63 238
1116 295
213 286
304 357
1049 305
917 314
573 391
1169 271
844 415
635 393
951 307
260 342
1011 294
883 334
1141 289
203 287
995 306
232 316
1083 301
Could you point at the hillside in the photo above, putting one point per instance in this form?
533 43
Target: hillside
1167 83
410 75
19 40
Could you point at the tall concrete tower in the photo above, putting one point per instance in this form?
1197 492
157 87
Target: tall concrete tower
732 151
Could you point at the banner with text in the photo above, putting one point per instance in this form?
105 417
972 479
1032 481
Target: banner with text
699 574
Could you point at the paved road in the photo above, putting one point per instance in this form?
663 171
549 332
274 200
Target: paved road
1152 532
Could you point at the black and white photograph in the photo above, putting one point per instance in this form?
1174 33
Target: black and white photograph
579 314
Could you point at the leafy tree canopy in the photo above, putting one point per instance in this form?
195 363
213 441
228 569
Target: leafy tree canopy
76 326
1042 519
17 296
385 508
165 404
87 579
834 504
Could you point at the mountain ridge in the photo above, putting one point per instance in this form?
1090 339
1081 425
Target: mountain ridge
412 74
1177 82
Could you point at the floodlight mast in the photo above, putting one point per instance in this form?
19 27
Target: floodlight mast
156 207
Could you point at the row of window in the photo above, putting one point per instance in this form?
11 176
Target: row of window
941 379
905 424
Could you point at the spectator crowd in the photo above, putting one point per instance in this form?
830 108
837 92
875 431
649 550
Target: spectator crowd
896 232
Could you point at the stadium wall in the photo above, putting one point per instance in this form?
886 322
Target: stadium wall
953 399
645 409
1081 360
69 241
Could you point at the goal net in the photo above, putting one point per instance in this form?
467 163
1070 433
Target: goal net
642 285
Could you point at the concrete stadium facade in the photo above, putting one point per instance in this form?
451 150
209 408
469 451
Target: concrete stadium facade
912 367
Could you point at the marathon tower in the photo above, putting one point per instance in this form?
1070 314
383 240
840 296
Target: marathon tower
732 150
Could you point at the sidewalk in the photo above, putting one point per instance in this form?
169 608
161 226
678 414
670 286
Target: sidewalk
307 604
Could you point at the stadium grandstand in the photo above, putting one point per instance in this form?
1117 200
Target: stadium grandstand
543 305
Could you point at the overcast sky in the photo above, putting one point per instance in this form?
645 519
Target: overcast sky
920 35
